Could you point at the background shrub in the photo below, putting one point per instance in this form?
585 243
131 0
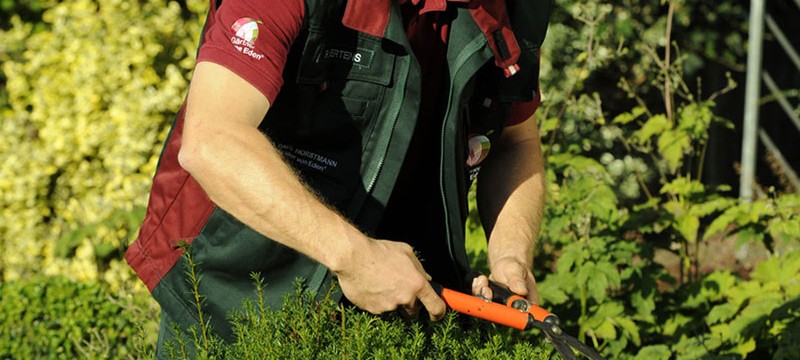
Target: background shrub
89 96
56 318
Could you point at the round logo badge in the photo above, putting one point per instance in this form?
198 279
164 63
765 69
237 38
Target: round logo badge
479 146
246 29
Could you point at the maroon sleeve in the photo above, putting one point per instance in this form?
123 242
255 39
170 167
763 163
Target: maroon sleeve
252 38
521 111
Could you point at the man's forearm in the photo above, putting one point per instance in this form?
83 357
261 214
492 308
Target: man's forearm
244 174
511 192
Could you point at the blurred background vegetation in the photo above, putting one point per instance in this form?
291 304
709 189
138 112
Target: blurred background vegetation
645 250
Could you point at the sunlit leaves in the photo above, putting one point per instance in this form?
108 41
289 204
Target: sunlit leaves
91 93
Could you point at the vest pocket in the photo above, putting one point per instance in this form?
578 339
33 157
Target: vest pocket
349 73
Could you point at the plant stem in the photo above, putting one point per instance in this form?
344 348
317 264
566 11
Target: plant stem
194 280
666 65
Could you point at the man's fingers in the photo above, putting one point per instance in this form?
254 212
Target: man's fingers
513 275
480 287
432 302
411 311
517 280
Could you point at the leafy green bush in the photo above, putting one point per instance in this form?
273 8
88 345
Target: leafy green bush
56 318
306 328
626 140
725 315
88 99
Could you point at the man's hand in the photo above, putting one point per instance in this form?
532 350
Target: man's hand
385 276
512 274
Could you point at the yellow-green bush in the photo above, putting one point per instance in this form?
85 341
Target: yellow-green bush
90 94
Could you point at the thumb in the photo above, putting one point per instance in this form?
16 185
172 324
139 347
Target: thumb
517 283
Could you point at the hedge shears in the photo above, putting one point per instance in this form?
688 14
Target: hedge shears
509 309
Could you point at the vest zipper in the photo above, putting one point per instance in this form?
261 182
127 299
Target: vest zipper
465 55
396 109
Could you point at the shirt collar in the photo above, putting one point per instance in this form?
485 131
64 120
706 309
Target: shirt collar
372 17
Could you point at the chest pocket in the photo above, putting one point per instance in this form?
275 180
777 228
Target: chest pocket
325 117
347 76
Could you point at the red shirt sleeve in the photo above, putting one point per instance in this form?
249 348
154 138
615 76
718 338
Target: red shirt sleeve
252 38
521 111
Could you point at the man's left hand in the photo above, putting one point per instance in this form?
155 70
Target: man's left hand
512 274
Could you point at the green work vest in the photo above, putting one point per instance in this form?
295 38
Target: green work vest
344 119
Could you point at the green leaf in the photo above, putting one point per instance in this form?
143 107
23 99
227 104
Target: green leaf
789 230
699 347
645 307
683 186
630 329
570 257
720 313
549 124
627 117
672 145
695 119
551 292
688 226
746 347
721 223
654 352
597 284
655 125
712 206
773 270
586 273
606 330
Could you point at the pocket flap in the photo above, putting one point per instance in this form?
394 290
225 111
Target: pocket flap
354 58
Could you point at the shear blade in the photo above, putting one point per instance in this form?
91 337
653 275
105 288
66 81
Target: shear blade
565 344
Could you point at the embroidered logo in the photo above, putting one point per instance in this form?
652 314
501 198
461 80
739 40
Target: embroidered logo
246 29
245 36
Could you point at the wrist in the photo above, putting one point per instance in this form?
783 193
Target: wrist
521 253
339 258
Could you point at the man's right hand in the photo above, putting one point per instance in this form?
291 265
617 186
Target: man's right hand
386 276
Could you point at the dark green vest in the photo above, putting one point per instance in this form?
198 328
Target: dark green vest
344 119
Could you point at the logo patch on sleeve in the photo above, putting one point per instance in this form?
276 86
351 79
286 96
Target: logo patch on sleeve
245 36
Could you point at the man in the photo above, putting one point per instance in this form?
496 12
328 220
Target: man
326 140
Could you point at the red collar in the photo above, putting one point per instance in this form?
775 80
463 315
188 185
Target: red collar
367 16
372 17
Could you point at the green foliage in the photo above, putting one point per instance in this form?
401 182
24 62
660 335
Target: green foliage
89 89
29 10
621 190
55 318
722 314
89 94
306 328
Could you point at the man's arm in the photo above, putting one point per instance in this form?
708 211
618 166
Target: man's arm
243 173
511 192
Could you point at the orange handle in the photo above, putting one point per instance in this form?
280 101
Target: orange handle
515 301
482 309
